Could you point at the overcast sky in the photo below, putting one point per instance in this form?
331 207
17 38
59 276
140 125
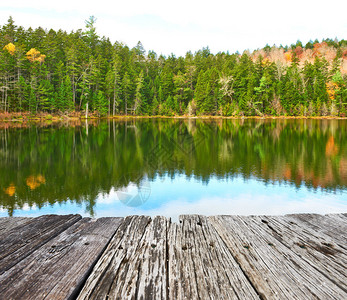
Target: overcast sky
182 25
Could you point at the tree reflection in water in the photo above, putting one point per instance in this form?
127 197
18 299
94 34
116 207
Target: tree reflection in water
47 164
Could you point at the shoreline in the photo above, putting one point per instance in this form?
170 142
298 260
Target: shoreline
16 118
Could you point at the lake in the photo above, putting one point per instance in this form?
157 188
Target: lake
174 166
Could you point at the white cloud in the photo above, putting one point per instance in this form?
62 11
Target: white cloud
26 207
243 204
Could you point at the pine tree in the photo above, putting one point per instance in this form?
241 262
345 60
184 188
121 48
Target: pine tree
155 106
48 70
126 88
44 96
32 105
101 103
138 103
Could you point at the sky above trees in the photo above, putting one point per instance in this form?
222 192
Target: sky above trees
179 26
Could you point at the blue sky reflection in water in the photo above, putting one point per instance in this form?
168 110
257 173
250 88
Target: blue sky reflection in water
173 197
216 167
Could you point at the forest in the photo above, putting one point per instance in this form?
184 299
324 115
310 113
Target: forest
54 72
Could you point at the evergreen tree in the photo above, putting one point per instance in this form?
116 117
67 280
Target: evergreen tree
101 104
48 70
126 83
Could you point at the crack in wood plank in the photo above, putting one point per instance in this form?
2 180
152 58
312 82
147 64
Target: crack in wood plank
275 270
220 257
59 267
15 245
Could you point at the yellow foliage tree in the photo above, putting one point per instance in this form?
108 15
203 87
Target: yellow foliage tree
265 61
34 182
331 89
288 56
11 190
35 55
10 48
41 59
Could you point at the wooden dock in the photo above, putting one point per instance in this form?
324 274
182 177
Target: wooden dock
301 256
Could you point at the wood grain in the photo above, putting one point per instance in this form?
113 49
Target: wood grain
19 242
201 266
274 269
317 249
9 223
116 274
300 256
58 268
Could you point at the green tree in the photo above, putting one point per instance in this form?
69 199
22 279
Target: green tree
126 88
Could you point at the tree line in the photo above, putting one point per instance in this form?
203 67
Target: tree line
55 72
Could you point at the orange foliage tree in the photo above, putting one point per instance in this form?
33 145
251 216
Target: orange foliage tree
288 56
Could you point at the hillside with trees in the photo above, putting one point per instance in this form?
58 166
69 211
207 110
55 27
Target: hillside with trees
56 72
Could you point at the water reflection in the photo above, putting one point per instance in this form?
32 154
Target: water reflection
82 165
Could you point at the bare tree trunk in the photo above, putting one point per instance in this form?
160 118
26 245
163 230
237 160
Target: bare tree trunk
3 94
6 87
114 99
80 105
87 123
126 106
73 90
109 106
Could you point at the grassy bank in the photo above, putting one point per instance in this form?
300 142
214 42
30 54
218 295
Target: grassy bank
25 116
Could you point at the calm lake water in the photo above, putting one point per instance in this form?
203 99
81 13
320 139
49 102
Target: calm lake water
174 166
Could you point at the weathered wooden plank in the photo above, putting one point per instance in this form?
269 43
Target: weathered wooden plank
317 249
182 276
58 268
116 275
322 224
274 269
292 257
143 274
9 223
151 262
343 216
201 266
340 219
21 241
